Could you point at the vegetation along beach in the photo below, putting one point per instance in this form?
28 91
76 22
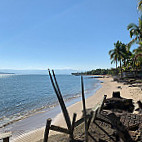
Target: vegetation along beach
71 71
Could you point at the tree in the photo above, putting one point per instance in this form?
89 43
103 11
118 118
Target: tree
135 31
140 6
138 56
116 54
126 54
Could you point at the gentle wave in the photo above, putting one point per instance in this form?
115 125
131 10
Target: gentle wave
33 104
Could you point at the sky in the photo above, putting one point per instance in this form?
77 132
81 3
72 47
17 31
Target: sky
62 34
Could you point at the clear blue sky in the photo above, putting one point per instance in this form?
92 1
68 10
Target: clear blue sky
62 34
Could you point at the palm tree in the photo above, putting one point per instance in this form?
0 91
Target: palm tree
140 5
116 53
126 54
138 55
113 56
135 31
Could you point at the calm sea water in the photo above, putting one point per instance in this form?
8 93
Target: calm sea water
21 95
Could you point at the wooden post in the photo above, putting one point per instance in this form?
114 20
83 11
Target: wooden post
6 139
5 136
56 84
89 121
61 101
100 109
46 133
73 125
84 111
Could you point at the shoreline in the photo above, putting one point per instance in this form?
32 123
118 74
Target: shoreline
56 120
108 86
36 121
6 121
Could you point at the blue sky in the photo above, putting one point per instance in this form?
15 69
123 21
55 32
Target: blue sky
62 34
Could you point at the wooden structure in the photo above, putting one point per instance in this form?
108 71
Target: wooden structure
70 126
5 136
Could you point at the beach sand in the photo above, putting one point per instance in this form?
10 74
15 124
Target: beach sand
108 86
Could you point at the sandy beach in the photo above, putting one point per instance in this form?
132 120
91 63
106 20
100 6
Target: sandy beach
108 86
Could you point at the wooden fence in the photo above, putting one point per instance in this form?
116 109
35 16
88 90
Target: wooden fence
70 126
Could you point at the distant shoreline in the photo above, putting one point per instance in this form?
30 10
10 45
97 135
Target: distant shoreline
3 73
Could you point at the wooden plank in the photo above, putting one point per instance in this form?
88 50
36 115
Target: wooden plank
78 122
61 101
46 133
59 129
84 111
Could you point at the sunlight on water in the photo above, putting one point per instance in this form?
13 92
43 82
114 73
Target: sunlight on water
22 95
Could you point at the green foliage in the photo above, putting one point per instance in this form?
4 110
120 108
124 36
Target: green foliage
135 31
129 61
100 72
140 5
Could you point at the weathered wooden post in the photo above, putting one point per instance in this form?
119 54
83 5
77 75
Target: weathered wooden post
73 126
101 107
46 133
6 139
84 111
89 120
5 136
61 101
56 84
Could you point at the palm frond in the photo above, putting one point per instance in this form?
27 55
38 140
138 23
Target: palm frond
132 25
140 5
140 22
132 41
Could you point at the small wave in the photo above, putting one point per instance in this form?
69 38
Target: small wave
5 75
5 121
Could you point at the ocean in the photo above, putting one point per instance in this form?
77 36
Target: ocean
24 95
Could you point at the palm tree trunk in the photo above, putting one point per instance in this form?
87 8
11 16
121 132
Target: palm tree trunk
120 68
116 66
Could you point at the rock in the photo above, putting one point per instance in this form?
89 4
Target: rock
116 94
118 104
